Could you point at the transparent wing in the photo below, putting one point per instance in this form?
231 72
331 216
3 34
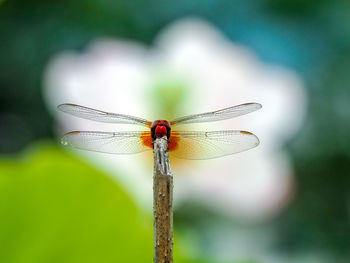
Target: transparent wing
208 145
109 142
219 115
101 116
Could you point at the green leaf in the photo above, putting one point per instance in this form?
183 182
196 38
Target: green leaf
56 208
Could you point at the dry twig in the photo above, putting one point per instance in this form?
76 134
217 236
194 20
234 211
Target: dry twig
162 203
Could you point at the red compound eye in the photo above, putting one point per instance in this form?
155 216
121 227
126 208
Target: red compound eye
160 131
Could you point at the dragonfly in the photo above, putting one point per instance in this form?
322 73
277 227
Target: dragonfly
192 145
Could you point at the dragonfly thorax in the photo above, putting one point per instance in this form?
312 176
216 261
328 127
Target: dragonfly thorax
160 128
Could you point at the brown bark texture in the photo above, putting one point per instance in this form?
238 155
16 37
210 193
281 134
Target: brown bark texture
162 203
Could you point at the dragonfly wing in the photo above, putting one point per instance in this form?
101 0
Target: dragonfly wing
109 142
219 115
208 145
101 116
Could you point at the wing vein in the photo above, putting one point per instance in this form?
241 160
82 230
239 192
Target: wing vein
101 116
218 115
207 145
107 142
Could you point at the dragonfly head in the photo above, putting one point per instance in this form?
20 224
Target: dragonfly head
160 128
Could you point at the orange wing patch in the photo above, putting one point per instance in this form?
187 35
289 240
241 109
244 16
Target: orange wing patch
146 139
173 143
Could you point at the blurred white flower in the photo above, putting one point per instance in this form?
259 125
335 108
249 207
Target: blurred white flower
122 76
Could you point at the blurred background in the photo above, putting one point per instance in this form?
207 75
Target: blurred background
286 201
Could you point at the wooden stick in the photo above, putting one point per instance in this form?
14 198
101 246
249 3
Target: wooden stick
162 203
